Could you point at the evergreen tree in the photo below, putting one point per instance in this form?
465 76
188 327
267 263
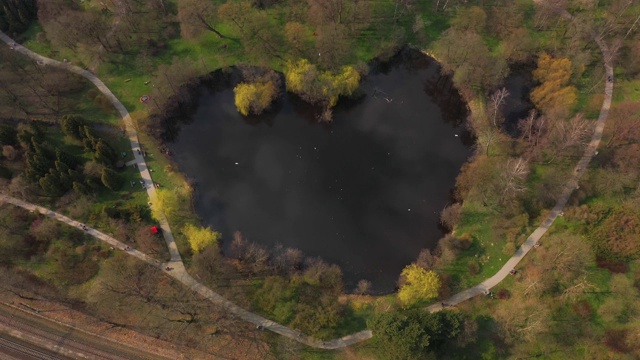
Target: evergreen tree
111 179
38 163
51 184
104 153
80 188
24 138
88 139
73 126
66 158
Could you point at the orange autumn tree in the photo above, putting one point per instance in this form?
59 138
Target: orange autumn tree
553 94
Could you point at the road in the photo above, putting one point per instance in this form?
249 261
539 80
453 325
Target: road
179 272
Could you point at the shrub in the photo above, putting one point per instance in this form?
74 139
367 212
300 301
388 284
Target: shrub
616 267
583 309
473 266
503 294
509 248
614 339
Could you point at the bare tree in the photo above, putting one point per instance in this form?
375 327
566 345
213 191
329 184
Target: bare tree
426 260
287 260
363 287
513 177
131 278
450 215
532 128
257 257
498 99
566 134
549 10
622 127
239 246
195 16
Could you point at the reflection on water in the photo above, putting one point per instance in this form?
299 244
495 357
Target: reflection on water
364 192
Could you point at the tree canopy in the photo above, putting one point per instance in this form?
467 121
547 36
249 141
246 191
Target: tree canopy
553 93
414 335
304 79
254 98
419 284
200 237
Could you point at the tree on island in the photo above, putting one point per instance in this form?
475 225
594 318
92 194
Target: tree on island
321 87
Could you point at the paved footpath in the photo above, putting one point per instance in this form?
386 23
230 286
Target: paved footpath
568 189
179 272
126 118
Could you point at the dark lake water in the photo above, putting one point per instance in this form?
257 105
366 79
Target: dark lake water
517 105
364 192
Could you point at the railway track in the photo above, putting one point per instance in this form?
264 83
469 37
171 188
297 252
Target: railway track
25 350
66 343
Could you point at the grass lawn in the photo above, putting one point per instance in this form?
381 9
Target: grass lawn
487 247
626 90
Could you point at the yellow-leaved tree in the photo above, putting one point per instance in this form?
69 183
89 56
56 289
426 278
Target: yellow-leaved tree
200 237
254 98
419 284
172 203
553 93
304 79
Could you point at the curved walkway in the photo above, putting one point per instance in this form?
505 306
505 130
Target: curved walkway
126 118
179 272
568 189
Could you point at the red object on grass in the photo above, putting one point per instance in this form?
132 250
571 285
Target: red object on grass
154 229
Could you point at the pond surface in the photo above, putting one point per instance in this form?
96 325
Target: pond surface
364 192
517 105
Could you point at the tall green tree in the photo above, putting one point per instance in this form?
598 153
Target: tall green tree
111 179
401 336
73 126
104 153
